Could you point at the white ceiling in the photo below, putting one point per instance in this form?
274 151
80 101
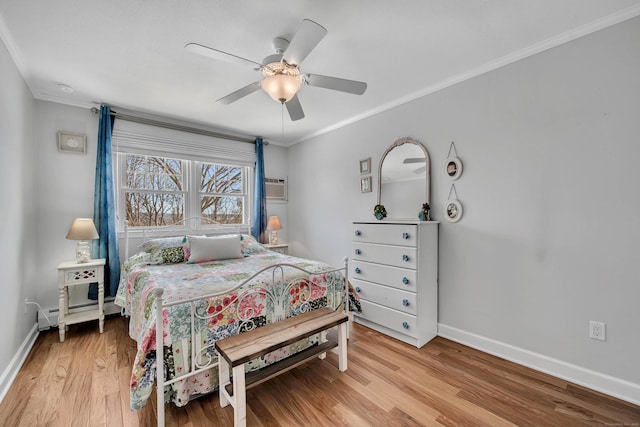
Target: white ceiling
130 53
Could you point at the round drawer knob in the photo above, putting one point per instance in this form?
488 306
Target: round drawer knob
405 301
358 251
358 232
358 289
357 270
405 236
405 325
405 280
405 257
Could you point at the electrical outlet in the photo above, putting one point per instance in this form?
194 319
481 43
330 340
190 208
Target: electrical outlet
597 330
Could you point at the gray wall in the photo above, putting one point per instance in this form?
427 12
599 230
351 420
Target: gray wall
549 236
17 211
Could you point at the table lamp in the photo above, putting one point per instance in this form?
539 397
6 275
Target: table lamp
273 225
83 230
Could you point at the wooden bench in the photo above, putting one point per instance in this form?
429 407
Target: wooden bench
239 349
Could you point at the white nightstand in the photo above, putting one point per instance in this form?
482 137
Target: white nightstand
73 273
282 248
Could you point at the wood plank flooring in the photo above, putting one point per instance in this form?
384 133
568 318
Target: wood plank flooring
85 382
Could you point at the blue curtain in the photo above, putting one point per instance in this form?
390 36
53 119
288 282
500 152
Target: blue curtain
259 227
104 209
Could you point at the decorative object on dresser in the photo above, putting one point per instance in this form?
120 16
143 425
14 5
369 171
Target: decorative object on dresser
424 214
453 164
74 273
395 273
82 230
380 212
404 178
273 226
281 248
69 142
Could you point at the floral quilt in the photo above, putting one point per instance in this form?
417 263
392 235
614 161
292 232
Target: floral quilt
227 314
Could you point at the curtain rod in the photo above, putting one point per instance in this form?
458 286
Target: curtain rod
173 126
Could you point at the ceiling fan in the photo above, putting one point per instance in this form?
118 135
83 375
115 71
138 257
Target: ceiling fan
281 71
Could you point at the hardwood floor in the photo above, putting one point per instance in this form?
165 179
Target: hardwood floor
85 382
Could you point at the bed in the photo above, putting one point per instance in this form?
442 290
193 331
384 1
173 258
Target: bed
206 288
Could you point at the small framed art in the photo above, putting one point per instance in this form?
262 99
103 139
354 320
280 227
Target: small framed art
453 168
69 142
365 165
365 184
453 210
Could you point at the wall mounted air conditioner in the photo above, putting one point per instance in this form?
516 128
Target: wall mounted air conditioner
276 189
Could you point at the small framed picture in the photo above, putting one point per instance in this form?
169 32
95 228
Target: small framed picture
453 210
453 168
72 142
365 184
365 165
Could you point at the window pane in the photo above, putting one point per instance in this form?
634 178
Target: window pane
154 173
220 179
153 209
225 210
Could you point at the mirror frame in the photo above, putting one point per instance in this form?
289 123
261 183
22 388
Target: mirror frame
398 142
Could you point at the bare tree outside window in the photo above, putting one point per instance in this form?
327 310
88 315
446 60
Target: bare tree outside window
155 191
222 196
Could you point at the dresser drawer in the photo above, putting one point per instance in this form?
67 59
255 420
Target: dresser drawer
388 317
389 234
384 295
399 256
401 278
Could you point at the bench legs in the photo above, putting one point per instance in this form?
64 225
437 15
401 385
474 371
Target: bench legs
239 398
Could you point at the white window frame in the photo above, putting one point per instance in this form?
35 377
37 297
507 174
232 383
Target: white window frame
191 191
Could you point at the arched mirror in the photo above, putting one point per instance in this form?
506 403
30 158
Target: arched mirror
404 179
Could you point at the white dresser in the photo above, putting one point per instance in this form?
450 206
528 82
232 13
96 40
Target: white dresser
395 272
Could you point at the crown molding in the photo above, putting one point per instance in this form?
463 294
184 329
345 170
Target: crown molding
576 33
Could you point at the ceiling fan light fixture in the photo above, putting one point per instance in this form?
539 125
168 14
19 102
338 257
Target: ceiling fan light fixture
281 87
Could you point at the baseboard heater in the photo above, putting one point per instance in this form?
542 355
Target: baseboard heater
52 314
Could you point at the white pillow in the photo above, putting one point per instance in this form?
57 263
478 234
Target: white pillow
214 248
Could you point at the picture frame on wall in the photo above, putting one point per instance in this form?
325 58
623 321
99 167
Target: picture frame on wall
453 168
365 184
452 210
69 142
365 165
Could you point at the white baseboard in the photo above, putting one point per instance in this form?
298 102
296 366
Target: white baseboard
9 374
603 383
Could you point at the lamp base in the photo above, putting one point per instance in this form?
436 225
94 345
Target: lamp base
273 238
83 252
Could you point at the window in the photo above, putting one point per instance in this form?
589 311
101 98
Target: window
167 175
155 191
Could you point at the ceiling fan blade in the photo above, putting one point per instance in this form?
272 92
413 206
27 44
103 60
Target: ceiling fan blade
343 85
420 170
414 160
240 93
220 55
295 109
305 39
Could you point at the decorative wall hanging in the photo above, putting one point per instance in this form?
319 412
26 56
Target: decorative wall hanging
72 142
452 208
365 165
365 184
453 164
